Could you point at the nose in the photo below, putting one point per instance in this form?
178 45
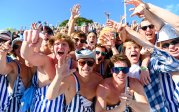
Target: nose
171 47
148 29
132 49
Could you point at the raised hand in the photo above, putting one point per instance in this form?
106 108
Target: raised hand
127 96
5 47
62 68
109 39
134 25
138 10
36 26
75 11
134 2
113 24
33 37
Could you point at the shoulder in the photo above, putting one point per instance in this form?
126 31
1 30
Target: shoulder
104 87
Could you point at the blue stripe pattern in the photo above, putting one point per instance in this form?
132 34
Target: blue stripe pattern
41 103
79 103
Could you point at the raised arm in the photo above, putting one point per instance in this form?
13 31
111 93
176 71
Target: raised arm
74 14
161 13
5 68
165 15
60 83
32 39
138 38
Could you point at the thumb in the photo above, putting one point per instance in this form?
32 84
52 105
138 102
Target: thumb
7 42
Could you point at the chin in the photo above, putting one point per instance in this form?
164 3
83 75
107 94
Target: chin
175 55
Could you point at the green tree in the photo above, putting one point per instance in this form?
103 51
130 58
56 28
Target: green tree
79 21
63 23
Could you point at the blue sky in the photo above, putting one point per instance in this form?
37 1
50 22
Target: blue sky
21 13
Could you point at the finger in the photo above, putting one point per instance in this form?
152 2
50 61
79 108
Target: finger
131 9
134 13
149 78
35 36
7 43
141 80
145 81
25 35
29 36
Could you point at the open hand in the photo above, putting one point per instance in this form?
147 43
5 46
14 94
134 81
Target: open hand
5 47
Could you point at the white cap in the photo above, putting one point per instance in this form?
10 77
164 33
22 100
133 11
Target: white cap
167 32
86 53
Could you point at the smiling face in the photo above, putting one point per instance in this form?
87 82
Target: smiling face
132 51
85 66
171 46
120 77
61 48
148 30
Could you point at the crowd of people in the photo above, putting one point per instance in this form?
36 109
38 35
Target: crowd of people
112 68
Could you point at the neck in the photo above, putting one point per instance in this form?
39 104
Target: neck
85 78
20 60
118 86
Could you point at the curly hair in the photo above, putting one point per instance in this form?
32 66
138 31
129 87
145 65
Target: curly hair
62 37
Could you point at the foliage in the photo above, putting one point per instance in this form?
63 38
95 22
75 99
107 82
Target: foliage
79 21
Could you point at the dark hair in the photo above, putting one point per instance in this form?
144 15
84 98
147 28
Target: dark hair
48 30
80 34
120 57
101 46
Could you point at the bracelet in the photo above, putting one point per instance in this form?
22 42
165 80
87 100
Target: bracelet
143 68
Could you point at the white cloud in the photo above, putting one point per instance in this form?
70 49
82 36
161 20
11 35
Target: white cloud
173 8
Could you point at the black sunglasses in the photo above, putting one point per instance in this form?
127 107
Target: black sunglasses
81 40
102 53
118 69
145 27
83 62
174 42
1 40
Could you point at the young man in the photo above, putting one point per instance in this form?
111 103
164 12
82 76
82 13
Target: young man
160 91
102 64
111 90
80 93
61 45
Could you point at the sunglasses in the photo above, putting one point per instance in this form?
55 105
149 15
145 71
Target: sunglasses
2 41
81 40
145 27
174 42
118 69
102 53
83 62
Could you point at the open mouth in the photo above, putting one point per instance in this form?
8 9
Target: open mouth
99 59
134 55
60 53
92 42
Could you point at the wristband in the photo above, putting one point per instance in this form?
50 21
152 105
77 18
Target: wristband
142 68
